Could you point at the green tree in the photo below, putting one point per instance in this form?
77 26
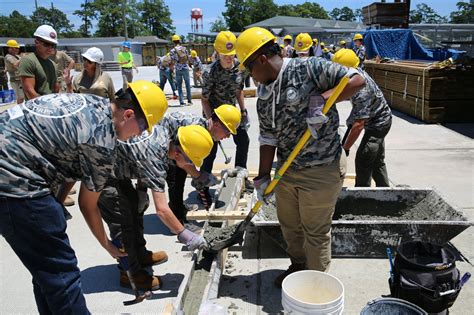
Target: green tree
425 14
464 14
218 25
237 14
16 25
262 9
110 18
88 14
306 10
54 17
156 17
358 15
343 14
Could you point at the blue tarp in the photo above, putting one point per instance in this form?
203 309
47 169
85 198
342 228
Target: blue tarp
402 44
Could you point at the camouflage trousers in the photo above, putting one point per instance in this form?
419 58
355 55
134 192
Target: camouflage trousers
118 204
305 200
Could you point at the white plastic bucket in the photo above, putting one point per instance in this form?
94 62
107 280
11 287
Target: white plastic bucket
312 292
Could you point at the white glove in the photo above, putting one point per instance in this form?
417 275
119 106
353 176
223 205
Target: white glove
260 185
205 180
143 200
315 117
192 240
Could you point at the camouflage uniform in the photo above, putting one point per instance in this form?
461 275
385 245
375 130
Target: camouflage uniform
307 193
360 52
182 73
370 104
15 80
44 142
220 87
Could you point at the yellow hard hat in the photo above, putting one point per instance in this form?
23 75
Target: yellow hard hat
251 40
315 40
325 50
346 57
358 36
230 116
287 37
225 43
151 99
342 42
282 46
175 38
196 143
12 43
322 44
194 53
303 42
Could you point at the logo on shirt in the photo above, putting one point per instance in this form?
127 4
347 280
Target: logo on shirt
292 95
55 105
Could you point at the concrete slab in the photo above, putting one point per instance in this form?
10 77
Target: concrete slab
419 155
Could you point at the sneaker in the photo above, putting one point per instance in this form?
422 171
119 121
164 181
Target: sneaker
293 268
182 104
72 191
142 280
153 258
69 202
190 103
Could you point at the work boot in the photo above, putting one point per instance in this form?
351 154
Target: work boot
153 258
142 280
69 202
293 268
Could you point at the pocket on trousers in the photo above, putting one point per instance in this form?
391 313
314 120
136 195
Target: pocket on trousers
6 225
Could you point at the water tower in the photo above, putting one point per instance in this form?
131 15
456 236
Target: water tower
196 15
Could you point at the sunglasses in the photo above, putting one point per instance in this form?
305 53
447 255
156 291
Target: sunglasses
47 45
251 63
188 160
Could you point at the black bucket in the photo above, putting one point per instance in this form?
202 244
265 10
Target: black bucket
390 306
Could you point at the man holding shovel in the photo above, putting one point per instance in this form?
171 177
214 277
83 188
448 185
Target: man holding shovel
292 94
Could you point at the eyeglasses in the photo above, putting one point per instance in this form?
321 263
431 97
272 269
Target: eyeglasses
251 63
47 45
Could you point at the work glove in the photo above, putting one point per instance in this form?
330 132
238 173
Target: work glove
245 120
192 240
205 180
315 117
260 185
143 200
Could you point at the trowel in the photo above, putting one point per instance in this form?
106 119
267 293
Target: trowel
238 234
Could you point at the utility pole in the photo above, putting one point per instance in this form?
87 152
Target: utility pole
124 19
36 4
86 29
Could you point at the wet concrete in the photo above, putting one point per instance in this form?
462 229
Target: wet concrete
215 235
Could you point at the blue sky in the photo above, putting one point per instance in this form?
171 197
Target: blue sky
181 9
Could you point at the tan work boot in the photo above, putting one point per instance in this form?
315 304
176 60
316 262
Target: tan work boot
142 280
69 202
153 258
287 272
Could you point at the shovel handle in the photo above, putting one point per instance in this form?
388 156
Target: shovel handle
301 143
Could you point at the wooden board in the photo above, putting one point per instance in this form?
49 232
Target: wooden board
216 215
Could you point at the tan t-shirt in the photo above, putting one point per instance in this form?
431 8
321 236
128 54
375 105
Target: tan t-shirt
101 85
62 60
13 71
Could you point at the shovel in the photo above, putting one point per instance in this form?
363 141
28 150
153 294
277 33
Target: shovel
124 263
237 233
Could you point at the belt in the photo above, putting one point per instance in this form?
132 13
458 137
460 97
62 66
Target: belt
126 68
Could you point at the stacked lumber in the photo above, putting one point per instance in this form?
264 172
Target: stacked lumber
386 14
423 91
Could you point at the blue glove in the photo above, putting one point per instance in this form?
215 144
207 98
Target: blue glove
315 117
192 240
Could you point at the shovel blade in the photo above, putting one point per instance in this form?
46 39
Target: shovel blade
236 238
138 298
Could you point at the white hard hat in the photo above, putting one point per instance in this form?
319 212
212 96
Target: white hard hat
47 33
94 54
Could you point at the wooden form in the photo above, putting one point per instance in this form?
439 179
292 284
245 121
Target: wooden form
421 90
